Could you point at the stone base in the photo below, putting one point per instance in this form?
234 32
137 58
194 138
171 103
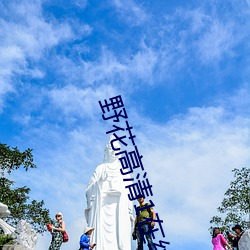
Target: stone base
13 247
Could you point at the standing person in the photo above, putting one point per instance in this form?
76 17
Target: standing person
218 240
148 213
56 231
231 240
84 240
238 230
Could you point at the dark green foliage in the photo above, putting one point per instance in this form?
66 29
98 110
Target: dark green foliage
11 159
17 199
235 206
6 240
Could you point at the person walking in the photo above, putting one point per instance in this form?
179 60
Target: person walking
56 231
218 240
85 238
145 227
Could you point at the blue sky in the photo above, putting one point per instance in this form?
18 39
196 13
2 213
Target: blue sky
182 69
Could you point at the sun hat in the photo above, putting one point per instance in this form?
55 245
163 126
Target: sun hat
88 229
59 213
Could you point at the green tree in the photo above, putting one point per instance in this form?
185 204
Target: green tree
6 239
235 207
17 199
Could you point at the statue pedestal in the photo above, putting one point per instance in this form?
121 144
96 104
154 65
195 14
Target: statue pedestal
13 247
244 242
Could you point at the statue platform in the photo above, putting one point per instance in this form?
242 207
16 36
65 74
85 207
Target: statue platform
12 247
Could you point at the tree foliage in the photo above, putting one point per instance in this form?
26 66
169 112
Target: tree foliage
17 199
235 207
13 158
6 240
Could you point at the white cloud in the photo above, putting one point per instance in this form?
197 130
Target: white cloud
240 100
143 63
30 32
25 35
198 19
80 3
10 58
217 42
105 69
121 71
198 33
194 155
131 12
82 102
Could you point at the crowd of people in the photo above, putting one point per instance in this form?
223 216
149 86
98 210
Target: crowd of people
144 211
59 227
219 241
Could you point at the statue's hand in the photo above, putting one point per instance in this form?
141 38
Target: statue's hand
91 201
104 175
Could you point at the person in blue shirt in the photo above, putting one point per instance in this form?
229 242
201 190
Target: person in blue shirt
84 240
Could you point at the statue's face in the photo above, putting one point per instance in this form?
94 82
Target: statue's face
109 153
116 145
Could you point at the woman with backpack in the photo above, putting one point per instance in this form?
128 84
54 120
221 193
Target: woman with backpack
56 231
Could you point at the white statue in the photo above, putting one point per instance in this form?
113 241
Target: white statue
25 235
4 212
244 242
109 210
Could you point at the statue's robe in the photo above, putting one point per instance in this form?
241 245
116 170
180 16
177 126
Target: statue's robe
109 210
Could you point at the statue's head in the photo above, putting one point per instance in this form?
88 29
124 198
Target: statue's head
4 212
109 153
